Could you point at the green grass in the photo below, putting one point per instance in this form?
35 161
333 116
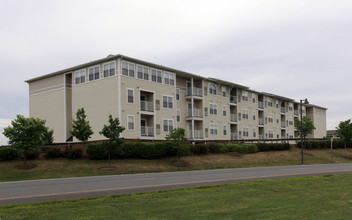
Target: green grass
57 168
323 197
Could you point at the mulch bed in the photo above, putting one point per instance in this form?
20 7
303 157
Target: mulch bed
107 168
180 164
347 157
235 154
26 166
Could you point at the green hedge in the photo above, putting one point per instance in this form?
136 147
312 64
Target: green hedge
8 153
224 148
273 146
337 143
53 153
74 154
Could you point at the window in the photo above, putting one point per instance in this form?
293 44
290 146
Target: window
224 110
245 113
290 135
270 102
130 95
169 78
142 72
80 76
254 113
167 102
277 135
224 130
253 98
254 132
109 69
290 106
277 119
178 115
177 94
156 75
270 118
130 122
290 121
224 91
128 69
213 129
168 125
213 109
245 96
245 132
271 134
212 88
277 103
93 73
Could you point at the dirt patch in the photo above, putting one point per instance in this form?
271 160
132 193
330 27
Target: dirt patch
107 169
235 154
308 154
180 164
347 157
26 166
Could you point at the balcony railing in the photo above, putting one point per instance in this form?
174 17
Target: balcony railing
198 134
261 105
283 109
234 136
233 117
147 131
196 92
233 99
283 124
147 106
261 121
296 112
261 137
195 113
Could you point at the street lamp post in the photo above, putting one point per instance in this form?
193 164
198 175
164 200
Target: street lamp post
305 102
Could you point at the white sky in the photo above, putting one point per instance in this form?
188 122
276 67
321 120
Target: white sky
298 49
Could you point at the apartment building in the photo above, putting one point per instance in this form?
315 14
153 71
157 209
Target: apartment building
150 100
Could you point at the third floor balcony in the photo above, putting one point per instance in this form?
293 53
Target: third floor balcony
195 92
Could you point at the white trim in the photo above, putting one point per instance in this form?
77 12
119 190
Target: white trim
133 96
54 90
162 99
245 127
162 124
134 123
215 106
178 110
102 69
224 125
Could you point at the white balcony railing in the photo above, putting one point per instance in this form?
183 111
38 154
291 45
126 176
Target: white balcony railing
283 124
198 134
296 112
234 136
261 121
147 131
196 92
233 117
147 106
233 99
283 109
195 113
261 105
261 137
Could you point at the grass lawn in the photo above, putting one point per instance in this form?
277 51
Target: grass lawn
56 168
320 197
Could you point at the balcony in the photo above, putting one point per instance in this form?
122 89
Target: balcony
147 131
198 134
283 110
198 113
283 124
261 137
196 92
234 136
147 106
261 121
260 105
296 112
233 117
233 99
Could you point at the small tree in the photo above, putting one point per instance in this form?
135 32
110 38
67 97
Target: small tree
307 126
48 136
344 131
80 127
112 131
178 135
26 134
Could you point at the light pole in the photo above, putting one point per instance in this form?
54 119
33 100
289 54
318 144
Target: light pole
306 103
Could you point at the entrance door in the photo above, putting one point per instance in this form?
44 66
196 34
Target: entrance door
144 129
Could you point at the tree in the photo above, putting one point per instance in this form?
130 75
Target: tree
344 131
80 127
178 135
112 131
26 134
48 136
307 126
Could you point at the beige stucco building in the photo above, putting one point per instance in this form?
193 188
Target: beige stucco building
150 100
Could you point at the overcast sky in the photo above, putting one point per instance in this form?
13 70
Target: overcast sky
298 49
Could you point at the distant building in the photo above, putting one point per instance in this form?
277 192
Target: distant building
150 100
331 133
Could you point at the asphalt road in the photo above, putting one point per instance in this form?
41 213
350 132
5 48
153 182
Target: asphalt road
83 187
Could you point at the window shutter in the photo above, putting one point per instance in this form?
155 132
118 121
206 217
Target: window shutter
205 111
157 128
205 90
157 105
206 132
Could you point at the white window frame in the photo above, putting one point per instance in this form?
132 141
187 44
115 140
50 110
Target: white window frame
223 91
270 118
254 98
128 101
142 72
254 115
169 101
168 121
290 121
109 67
169 78
81 76
254 132
270 102
130 67
178 115
290 106
224 130
128 122
245 95
245 132
213 89
213 129
92 72
213 109
177 94
277 119
245 114
270 134
224 111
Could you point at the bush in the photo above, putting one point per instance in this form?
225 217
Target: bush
247 148
32 154
96 151
74 154
8 153
53 153
215 148
273 146
199 149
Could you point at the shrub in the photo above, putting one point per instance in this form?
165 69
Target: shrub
215 148
53 153
74 154
199 149
273 146
32 154
96 151
247 148
8 153
232 147
314 144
